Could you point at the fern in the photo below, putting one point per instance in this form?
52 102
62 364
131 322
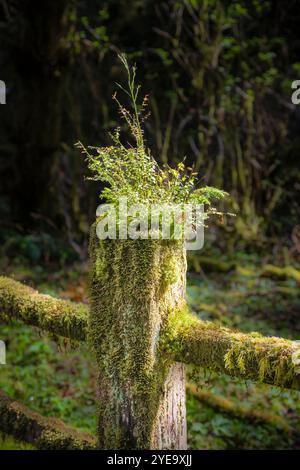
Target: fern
132 172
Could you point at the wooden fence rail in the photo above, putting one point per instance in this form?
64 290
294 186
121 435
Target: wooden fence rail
60 317
45 433
142 335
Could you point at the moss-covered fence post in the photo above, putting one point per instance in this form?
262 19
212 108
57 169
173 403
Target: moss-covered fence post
134 286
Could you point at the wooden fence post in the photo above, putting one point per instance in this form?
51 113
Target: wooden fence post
134 286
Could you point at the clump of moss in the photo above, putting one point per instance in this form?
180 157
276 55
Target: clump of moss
288 272
170 271
100 266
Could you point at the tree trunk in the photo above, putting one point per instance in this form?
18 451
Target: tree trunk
134 286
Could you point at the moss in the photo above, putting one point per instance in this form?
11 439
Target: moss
249 356
170 270
239 411
245 271
101 270
45 433
288 272
210 264
60 317
129 308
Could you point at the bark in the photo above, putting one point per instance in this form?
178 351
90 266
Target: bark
170 430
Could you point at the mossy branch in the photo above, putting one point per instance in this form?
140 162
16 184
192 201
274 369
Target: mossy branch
247 356
238 411
44 433
288 272
60 317
209 264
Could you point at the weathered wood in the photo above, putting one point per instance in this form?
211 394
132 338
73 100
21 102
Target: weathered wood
44 433
135 285
170 430
188 339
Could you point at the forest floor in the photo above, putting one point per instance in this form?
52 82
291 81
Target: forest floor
59 381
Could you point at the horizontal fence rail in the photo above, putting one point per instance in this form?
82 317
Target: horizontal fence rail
178 338
59 317
244 355
45 433
238 411
188 339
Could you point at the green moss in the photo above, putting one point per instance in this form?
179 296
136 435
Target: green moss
129 309
59 317
209 264
45 433
239 411
249 356
270 357
169 270
288 272
101 270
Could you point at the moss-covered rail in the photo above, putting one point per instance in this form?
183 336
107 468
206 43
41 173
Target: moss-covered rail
60 317
141 333
45 433
188 339
269 360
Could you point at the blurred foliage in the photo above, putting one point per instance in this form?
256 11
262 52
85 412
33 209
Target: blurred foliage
34 248
218 75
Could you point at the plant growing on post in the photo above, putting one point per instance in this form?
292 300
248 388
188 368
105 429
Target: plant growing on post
133 172
135 288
